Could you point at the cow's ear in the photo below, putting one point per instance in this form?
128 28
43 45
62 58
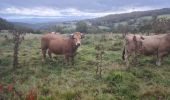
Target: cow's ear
142 37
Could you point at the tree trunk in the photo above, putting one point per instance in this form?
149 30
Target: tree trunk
17 41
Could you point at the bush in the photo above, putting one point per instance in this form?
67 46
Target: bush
5 61
124 84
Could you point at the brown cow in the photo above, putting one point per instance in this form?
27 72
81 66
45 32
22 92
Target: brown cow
58 44
148 45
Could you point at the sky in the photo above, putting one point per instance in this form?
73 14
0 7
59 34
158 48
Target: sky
34 11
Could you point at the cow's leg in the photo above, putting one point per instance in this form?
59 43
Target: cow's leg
135 59
127 60
66 59
44 54
123 54
72 60
160 57
158 62
155 58
49 53
127 55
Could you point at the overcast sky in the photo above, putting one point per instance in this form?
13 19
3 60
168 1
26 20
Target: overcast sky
72 9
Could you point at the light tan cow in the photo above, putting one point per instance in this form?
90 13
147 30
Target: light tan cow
158 45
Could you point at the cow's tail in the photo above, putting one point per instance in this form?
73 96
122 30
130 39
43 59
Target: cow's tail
123 54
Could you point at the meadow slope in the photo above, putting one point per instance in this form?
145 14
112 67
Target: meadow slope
52 80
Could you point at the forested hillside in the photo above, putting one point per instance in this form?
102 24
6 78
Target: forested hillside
5 24
110 20
140 21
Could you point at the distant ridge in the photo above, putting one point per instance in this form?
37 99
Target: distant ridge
114 18
108 20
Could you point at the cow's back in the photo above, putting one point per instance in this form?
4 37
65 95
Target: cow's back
165 44
46 38
152 43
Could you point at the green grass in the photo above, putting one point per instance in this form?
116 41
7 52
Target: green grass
54 81
164 16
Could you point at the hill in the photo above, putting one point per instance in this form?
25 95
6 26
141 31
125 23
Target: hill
4 25
110 20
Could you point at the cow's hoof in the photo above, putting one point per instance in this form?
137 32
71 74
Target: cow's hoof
158 63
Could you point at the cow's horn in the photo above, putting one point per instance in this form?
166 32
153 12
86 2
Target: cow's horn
82 35
71 35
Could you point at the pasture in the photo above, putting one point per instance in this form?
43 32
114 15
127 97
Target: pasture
53 80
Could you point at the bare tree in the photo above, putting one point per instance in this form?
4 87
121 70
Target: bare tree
17 37
99 56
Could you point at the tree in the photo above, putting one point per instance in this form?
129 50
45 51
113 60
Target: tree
22 29
18 37
122 28
59 29
159 25
5 25
81 27
145 26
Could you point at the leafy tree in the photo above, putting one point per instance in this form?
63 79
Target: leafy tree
144 26
5 25
81 27
56 28
159 25
122 28
23 29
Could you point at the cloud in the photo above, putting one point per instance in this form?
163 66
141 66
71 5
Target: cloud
37 11
41 12
85 5
55 9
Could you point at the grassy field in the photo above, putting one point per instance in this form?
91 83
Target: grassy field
52 80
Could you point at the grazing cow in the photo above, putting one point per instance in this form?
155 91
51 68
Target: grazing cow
158 45
58 44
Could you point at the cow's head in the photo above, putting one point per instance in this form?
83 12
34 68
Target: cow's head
77 36
138 41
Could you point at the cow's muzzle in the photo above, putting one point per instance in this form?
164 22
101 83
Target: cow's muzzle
78 44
